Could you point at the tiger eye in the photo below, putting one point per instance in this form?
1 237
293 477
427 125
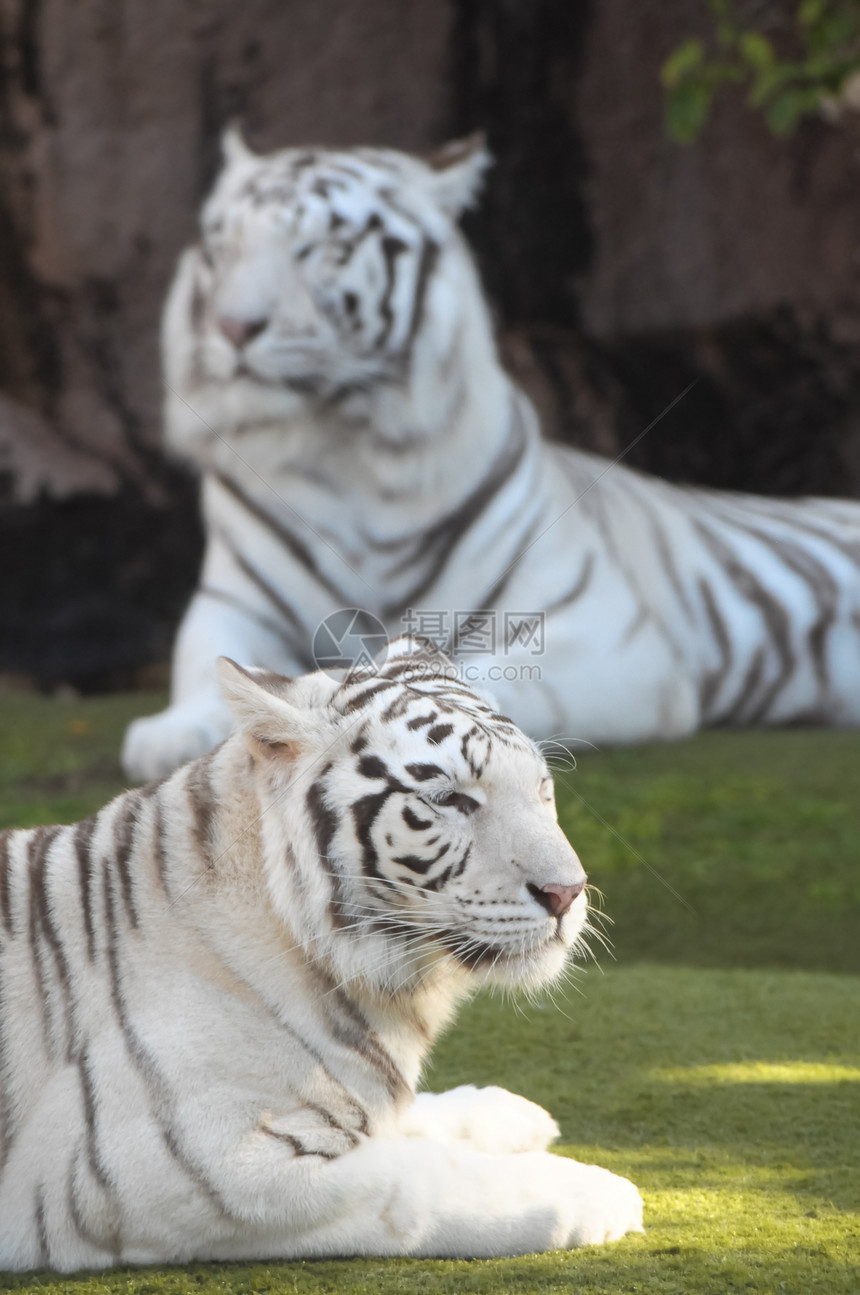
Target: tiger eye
458 800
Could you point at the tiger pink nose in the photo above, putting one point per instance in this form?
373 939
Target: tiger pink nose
559 899
240 331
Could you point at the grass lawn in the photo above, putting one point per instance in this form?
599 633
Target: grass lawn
715 1060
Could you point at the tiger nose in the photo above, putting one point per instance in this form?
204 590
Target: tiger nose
240 331
557 899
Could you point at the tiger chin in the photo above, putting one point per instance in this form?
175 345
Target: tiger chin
218 992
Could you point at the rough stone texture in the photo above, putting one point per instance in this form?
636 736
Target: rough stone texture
622 267
110 112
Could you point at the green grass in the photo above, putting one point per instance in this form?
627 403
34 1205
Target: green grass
758 832
716 1062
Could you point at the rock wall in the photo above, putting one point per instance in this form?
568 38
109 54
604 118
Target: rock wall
622 267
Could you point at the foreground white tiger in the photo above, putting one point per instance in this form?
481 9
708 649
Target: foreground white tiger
331 368
218 992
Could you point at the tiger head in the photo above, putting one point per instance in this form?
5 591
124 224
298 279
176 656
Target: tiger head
414 831
319 275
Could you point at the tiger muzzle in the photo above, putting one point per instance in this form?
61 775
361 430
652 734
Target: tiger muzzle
556 898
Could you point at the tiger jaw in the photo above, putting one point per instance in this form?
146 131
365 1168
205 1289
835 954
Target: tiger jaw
429 932
534 962
307 367
530 958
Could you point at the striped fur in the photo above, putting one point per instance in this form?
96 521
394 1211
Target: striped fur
217 993
362 447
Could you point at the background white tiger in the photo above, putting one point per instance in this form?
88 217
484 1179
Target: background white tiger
331 368
218 992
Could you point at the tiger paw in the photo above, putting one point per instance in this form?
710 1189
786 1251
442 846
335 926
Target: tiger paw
158 744
597 1205
487 1119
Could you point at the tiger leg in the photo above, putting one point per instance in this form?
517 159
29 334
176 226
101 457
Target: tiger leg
487 1119
402 1197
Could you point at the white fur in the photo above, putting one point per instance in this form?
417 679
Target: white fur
225 1066
665 607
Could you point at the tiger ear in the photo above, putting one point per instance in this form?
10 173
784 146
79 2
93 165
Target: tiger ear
233 146
457 172
258 700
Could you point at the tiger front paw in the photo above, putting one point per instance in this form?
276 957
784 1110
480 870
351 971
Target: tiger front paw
599 1206
487 1119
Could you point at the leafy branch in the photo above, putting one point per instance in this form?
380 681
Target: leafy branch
789 64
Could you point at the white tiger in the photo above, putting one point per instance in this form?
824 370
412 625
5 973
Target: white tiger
217 993
331 368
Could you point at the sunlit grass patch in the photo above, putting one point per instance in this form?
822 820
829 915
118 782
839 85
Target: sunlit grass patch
763 1072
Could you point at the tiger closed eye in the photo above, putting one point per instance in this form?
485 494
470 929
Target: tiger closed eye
457 800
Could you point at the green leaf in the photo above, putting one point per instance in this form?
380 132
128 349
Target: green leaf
681 62
825 38
811 97
725 22
820 66
687 108
766 84
811 11
757 50
836 31
784 110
